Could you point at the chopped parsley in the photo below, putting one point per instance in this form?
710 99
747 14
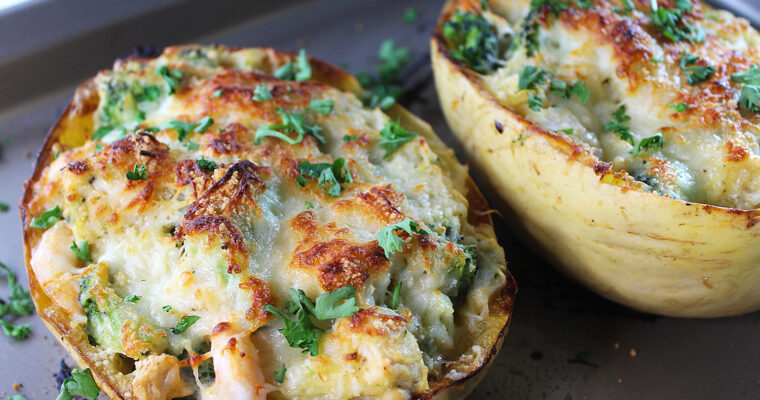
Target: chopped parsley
472 40
653 142
166 308
185 128
568 131
385 88
328 175
670 22
350 138
4 206
185 323
80 384
138 173
530 77
680 107
19 304
47 218
261 93
393 136
535 103
617 126
172 78
82 251
206 165
300 70
217 94
627 9
302 333
308 205
291 122
396 295
411 15
695 74
750 95
191 146
320 106
390 242
132 299
279 376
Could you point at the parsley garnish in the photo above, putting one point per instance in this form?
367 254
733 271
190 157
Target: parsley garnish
616 125
261 93
185 323
15 397
328 175
568 131
385 89
20 303
82 251
47 218
472 40
323 107
670 22
411 15
652 142
206 165
750 95
166 308
3 206
308 205
132 299
396 295
172 78
535 103
184 128
628 7
138 173
350 138
279 376
291 122
217 94
190 145
302 333
695 74
80 384
300 70
390 242
680 107
393 136
530 77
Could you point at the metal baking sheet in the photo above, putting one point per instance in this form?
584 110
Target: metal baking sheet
565 342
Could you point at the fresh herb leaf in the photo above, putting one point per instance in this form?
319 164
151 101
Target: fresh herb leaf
15 397
680 107
319 106
4 206
132 299
411 15
328 175
628 7
393 136
172 78
206 165
750 76
750 98
184 128
390 242
670 22
653 142
300 70
15 331
81 384
291 122
217 94
472 40
82 251
530 77
190 145
261 93
20 303
301 332
184 323
535 103
166 308
309 205
396 295
350 138
202 125
385 89
47 218
555 6
695 74
484 5
568 131
617 126
580 90
279 376
138 173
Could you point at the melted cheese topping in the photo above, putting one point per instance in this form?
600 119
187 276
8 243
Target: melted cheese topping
222 244
710 150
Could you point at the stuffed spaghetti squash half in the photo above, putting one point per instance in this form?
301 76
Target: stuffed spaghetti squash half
225 223
621 135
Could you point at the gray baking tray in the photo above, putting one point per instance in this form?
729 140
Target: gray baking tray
565 342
